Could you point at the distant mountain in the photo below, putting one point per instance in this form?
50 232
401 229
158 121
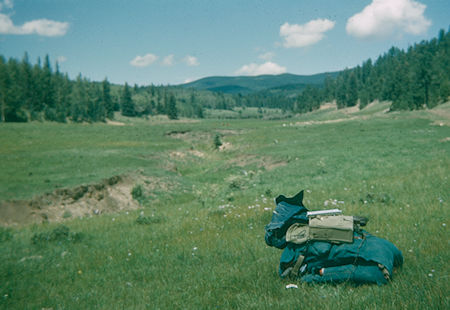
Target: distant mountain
250 84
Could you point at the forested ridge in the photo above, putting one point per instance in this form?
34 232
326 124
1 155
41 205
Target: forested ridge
413 79
416 78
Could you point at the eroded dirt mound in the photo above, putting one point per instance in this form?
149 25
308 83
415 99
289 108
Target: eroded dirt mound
110 195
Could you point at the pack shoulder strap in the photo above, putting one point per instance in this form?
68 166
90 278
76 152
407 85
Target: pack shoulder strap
296 268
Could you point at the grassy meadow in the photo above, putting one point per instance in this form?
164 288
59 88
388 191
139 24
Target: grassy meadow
198 240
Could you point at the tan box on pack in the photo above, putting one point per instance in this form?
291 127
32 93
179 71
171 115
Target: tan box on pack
333 228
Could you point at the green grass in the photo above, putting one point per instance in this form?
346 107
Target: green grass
201 245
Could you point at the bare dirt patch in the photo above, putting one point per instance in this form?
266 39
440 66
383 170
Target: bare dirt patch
114 123
182 155
331 121
266 162
112 195
328 105
226 146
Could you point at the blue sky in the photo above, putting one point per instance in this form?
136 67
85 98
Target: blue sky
174 41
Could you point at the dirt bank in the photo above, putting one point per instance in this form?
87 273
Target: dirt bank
110 195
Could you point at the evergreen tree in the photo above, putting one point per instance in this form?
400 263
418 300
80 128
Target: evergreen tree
4 85
172 111
128 106
48 91
62 95
14 111
79 100
107 100
352 90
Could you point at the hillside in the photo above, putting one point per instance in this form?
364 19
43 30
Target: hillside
251 84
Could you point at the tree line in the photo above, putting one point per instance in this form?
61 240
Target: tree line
38 92
413 79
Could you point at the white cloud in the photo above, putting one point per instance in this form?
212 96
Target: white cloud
383 18
45 27
191 61
267 56
143 61
42 27
259 69
306 34
168 60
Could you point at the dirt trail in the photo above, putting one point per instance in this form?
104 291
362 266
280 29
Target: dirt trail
110 195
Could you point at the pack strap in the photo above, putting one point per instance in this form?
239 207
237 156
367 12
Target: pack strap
296 268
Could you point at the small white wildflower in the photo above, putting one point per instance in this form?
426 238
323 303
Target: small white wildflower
113 219
267 209
194 248
308 191
410 250
432 270
430 275
142 212
443 224
129 253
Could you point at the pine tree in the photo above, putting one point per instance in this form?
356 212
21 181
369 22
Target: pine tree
48 91
107 100
79 100
172 111
4 81
128 107
14 111
352 90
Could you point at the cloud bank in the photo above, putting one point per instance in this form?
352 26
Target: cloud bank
42 27
143 61
383 18
307 34
259 69
168 60
191 61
